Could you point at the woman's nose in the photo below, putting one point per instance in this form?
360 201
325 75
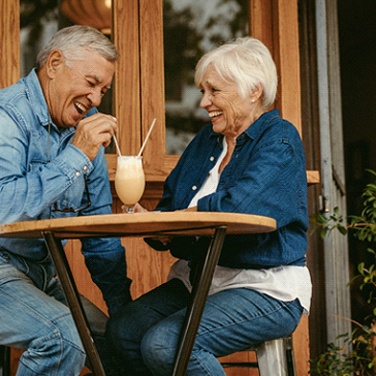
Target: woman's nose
206 100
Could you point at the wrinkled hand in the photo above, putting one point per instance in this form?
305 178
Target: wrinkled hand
137 208
93 132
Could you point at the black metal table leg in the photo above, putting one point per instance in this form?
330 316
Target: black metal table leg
5 360
71 293
200 291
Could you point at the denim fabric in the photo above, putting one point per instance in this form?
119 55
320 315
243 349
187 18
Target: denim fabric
40 167
265 176
34 317
34 320
146 331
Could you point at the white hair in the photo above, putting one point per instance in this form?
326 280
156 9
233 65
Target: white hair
247 62
73 39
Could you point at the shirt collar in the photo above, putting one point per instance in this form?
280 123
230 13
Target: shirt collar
36 97
258 126
255 129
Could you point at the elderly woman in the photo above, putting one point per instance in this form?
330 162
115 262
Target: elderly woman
248 160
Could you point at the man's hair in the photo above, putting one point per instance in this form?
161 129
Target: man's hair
246 62
72 40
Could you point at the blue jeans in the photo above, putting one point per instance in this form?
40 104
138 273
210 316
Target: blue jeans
146 331
34 317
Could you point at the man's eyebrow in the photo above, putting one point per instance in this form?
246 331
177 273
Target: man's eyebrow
98 80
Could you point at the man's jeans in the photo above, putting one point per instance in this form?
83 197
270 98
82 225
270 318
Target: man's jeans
146 331
34 317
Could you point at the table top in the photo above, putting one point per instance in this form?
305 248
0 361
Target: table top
140 224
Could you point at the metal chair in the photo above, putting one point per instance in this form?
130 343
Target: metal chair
274 358
4 361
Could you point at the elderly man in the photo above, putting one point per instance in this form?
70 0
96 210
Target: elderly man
52 164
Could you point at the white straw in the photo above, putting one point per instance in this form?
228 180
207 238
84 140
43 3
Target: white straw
117 146
147 138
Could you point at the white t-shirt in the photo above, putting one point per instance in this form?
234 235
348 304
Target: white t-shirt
285 283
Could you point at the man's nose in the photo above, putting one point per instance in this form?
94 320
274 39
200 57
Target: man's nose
95 96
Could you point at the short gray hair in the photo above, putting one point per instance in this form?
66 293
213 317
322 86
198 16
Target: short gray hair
247 62
73 39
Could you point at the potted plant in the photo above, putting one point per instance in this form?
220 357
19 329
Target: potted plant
361 359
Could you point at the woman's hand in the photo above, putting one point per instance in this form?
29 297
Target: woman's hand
139 209
136 209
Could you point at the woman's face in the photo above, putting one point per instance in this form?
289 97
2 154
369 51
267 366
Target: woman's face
230 113
76 88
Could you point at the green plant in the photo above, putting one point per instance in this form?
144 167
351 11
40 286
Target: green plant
361 360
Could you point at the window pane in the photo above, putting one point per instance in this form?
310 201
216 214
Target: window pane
192 28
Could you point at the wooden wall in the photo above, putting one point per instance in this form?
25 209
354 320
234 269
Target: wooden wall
139 74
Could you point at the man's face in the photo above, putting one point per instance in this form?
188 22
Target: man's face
75 87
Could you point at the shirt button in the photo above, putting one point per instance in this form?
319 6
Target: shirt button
78 173
85 168
194 188
211 159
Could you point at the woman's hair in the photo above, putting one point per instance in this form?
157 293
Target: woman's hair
245 61
71 41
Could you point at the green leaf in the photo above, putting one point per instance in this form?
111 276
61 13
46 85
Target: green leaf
342 230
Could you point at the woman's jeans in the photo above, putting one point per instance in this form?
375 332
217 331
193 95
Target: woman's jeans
146 331
34 317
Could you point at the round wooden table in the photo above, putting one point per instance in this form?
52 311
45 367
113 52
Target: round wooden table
182 223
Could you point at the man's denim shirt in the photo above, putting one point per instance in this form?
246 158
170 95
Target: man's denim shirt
38 168
266 176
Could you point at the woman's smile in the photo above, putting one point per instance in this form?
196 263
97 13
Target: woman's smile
229 112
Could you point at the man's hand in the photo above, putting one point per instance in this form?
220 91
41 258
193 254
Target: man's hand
94 131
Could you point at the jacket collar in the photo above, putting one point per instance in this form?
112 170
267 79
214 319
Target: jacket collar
258 126
255 129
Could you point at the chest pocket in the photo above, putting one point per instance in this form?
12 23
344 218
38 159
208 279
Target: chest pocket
39 148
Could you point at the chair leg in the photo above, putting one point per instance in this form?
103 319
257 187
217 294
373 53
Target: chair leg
5 360
271 358
287 341
276 358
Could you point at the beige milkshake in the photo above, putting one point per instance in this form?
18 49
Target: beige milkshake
129 179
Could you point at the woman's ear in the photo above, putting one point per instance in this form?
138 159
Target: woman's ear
256 93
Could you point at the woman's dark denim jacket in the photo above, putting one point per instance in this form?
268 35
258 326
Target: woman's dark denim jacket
266 176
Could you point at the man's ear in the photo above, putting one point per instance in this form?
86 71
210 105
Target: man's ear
54 62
